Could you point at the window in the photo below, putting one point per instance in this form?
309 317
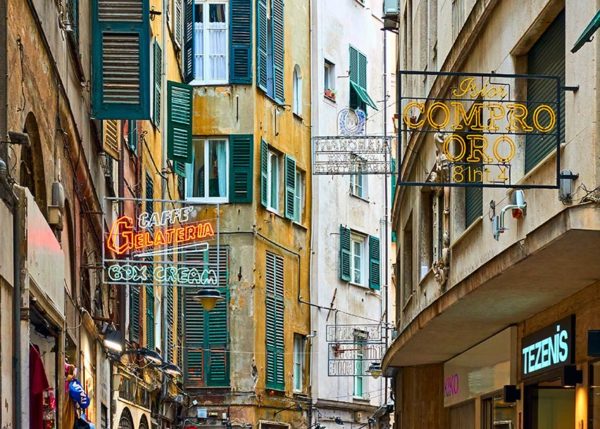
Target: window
207 175
299 197
329 76
407 260
275 375
299 341
297 107
359 98
357 256
360 338
270 48
358 185
426 224
211 43
274 161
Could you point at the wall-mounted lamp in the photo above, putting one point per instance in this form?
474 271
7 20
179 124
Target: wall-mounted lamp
375 370
566 184
571 376
208 298
511 394
519 209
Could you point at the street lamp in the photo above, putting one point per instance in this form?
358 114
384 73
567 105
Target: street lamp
172 370
375 370
208 298
114 342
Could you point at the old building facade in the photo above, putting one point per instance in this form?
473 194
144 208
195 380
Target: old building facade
482 307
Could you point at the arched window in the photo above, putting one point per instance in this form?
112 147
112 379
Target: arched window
297 102
126 421
31 174
144 423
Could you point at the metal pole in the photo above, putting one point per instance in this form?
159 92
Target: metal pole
386 253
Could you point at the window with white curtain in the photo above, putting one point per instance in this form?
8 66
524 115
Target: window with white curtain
207 175
210 42
297 107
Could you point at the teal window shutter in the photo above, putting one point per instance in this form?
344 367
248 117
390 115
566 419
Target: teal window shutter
359 98
275 373
394 181
179 168
374 263
179 138
261 44
264 179
241 166
473 204
134 314
188 41
240 48
150 317
120 59
170 321
344 254
290 187
157 82
278 49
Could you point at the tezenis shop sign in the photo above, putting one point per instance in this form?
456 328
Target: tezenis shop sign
548 348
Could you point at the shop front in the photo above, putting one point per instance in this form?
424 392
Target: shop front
474 382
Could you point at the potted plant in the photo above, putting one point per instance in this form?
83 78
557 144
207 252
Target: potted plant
330 94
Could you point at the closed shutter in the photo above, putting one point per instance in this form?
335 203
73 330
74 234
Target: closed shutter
261 44
275 374
134 314
473 204
374 263
157 82
111 136
264 176
170 322
149 194
188 41
179 168
546 57
241 166
278 49
240 48
179 139
150 317
344 254
120 59
290 187
206 334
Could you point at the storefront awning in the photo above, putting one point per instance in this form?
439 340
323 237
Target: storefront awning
587 34
362 94
553 262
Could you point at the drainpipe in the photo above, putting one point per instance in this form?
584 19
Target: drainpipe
17 244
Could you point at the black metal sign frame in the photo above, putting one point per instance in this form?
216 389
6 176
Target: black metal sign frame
478 95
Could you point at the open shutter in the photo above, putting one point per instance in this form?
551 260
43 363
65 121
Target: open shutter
111 138
344 254
261 44
275 376
120 59
188 41
241 163
362 71
290 187
278 49
179 168
374 263
150 317
134 314
157 51
240 48
264 179
178 22
179 139
133 136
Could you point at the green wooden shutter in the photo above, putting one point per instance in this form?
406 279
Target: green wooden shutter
179 139
134 314
290 187
261 44
188 41
150 317
353 72
374 263
275 347
240 47
362 71
157 82
120 59
344 254
133 136
473 204
278 50
546 57
179 168
264 179
193 357
241 166
178 22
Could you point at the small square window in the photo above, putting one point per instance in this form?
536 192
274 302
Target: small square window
329 83
358 185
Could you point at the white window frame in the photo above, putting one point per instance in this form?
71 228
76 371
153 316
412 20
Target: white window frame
273 178
189 172
297 86
359 359
206 6
299 363
299 197
362 242
328 75
358 186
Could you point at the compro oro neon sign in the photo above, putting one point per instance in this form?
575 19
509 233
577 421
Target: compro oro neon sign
485 130
168 247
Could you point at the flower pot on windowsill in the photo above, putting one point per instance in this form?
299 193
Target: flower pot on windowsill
330 94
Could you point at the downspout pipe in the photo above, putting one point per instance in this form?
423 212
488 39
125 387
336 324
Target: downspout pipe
17 245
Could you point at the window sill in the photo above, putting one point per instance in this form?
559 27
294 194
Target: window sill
330 99
407 302
299 225
298 116
540 165
358 285
207 200
362 399
199 83
358 197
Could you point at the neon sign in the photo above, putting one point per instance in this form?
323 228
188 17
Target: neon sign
184 275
